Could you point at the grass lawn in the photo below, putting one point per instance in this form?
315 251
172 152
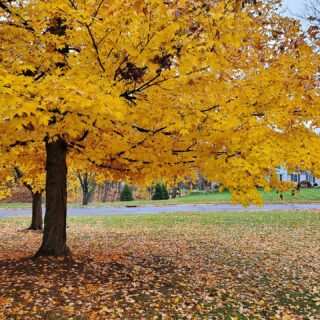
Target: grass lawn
16 205
245 265
306 195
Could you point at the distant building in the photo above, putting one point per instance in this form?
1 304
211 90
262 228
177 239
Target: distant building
297 176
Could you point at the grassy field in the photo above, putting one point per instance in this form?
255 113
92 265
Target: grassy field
306 195
167 266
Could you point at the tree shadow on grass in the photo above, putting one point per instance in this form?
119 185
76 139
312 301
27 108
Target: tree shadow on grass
57 288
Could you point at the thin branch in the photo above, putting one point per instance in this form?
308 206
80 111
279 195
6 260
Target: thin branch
185 150
95 46
100 41
97 11
73 4
19 143
8 10
211 108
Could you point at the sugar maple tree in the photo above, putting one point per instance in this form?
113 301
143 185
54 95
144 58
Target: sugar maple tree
146 89
24 167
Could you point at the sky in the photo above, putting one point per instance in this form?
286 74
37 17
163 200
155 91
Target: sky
295 6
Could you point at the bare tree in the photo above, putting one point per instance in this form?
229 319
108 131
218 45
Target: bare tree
312 12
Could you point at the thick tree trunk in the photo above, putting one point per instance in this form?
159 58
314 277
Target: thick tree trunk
36 222
54 235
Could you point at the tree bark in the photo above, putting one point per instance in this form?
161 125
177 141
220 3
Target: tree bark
85 190
88 188
55 235
85 198
174 192
106 189
92 190
36 222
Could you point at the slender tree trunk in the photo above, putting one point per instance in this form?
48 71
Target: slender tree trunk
54 235
174 192
105 191
114 186
88 188
85 198
92 190
36 222
85 189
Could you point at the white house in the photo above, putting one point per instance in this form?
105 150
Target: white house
297 177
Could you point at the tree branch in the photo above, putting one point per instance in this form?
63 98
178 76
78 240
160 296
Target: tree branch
95 46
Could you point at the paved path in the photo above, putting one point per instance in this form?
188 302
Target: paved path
173 208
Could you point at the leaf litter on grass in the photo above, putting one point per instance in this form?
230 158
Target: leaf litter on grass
152 270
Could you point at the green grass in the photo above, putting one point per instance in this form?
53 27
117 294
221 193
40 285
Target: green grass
306 195
273 218
223 219
16 205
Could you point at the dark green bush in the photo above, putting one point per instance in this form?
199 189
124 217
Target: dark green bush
126 194
165 194
160 192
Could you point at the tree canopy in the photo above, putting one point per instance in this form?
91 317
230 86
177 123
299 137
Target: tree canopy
144 89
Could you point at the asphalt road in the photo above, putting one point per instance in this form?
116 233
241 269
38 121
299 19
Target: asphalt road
173 208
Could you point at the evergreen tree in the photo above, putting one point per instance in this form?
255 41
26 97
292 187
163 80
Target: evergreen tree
126 194
158 192
165 194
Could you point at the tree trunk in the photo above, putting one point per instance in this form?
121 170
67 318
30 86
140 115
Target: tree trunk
85 190
105 191
174 192
54 235
92 190
36 222
88 188
85 198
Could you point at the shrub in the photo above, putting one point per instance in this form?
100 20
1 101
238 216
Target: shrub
126 194
157 193
165 194
305 184
160 192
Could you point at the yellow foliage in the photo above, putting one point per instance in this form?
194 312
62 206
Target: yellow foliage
155 88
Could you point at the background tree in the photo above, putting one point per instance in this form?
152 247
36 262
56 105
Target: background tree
23 168
126 193
88 186
107 186
176 87
312 12
36 220
311 17
165 193
160 192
